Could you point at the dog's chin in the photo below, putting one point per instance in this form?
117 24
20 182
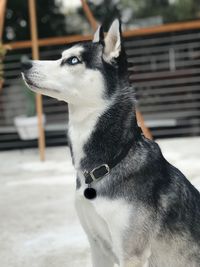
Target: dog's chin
31 85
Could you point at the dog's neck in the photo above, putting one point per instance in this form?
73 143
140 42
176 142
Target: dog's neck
98 133
82 121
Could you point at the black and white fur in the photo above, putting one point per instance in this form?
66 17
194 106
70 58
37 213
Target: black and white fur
146 213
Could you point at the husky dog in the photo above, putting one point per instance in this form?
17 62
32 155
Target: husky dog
136 208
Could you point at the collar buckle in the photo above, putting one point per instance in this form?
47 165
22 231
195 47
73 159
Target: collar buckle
100 171
97 173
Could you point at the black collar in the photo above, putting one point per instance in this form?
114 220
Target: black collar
104 169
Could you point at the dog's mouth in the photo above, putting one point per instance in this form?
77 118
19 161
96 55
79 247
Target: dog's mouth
34 87
29 83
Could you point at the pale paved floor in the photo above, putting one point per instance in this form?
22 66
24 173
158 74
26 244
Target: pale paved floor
38 223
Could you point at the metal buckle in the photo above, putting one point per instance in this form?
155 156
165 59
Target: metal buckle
103 165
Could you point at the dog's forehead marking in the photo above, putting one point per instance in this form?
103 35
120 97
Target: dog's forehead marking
73 51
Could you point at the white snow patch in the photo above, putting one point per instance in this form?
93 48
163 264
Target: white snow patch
65 236
64 166
47 181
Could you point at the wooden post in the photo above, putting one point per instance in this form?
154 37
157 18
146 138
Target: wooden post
2 19
89 15
2 16
141 123
35 55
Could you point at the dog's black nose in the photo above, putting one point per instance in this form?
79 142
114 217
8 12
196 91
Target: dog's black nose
26 65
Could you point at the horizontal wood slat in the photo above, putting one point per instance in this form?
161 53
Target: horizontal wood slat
166 28
148 92
164 82
148 66
161 40
148 100
162 49
165 74
170 107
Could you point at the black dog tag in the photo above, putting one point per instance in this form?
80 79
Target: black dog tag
90 193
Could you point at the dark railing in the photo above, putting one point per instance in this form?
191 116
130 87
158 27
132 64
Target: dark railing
164 68
165 71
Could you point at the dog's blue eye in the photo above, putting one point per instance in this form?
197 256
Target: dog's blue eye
73 61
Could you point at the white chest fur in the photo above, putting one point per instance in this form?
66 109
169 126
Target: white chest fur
81 124
104 221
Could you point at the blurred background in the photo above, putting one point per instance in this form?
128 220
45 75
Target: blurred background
39 226
163 62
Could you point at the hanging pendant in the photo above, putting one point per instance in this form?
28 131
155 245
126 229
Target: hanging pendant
90 193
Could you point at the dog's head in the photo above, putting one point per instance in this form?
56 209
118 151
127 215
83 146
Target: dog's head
85 73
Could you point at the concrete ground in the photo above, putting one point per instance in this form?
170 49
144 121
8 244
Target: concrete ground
38 222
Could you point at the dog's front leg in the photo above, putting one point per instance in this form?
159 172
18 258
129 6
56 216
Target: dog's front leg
88 219
99 258
137 261
134 263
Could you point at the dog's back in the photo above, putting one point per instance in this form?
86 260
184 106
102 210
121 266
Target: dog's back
174 205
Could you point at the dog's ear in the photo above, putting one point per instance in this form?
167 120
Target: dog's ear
98 35
112 41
